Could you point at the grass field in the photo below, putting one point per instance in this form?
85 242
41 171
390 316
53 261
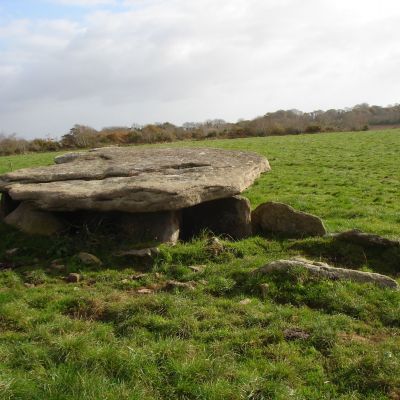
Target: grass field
99 339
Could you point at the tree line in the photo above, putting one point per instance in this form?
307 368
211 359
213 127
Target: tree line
361 117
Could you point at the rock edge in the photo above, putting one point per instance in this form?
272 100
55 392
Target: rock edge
326 271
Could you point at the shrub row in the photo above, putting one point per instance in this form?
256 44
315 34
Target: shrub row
281 122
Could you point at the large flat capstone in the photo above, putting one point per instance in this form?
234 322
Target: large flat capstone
135 180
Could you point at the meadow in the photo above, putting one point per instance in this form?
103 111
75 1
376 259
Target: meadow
302 339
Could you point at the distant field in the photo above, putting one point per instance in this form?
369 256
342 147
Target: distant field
352 180
302 339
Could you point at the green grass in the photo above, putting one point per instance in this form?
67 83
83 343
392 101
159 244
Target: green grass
99 339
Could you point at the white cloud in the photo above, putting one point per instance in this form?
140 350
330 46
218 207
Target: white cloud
191 60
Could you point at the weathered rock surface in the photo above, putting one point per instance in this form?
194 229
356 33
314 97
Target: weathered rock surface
231 216
272 217
34 222
326 271
67 157
366 239
135 179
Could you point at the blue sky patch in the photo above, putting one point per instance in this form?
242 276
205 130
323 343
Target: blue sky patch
46 9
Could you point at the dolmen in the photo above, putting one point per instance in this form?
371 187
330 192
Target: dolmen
146 194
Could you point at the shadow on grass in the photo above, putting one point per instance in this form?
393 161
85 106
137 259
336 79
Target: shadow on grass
37 251
350 255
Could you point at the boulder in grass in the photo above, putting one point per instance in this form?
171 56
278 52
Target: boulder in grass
279 218
325 271
73 277
89 259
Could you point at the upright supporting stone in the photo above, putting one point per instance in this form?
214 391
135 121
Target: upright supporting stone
137 228
156 227
34 222
7 205
230 216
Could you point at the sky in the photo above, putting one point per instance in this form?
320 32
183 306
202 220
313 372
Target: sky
118 62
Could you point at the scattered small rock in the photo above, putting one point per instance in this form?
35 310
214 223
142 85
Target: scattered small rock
148 252
394 394
125 281
280 218
12 252
264 289
356 236
295 334
138 276
142 256
29 285
56 265
73 277
171 285
197 268
245 301
145 291
214 246
89 259
322 270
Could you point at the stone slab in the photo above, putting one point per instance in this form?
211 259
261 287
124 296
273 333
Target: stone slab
133 179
